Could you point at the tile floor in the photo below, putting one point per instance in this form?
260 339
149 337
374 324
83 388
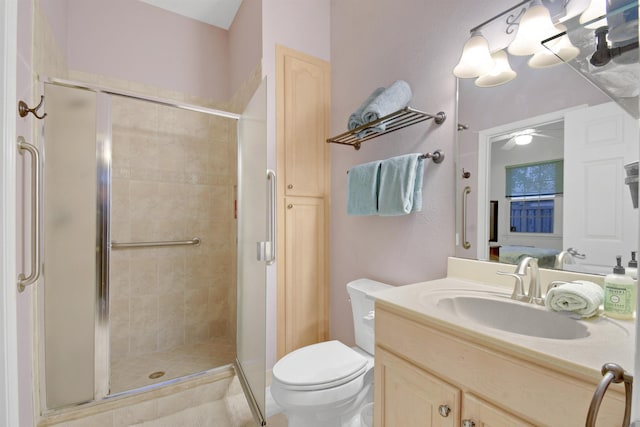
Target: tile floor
133 372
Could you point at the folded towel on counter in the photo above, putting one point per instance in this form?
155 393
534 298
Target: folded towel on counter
355 119
580 296
398 183
362 189
393 98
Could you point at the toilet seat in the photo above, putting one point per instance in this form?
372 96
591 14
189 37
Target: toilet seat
319 366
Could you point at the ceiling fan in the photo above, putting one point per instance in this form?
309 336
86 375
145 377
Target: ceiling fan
524 137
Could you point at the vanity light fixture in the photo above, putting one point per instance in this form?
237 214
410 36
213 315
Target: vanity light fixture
500 74
476 59
535 26
596 9
520 30
557 51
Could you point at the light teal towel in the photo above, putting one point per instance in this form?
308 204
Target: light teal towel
393 98
355 119
398 185
417 189
362 189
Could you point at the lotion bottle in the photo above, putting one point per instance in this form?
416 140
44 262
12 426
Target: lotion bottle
619 293
632 268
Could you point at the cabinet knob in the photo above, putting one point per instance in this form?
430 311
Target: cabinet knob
289 206
444 410
468 423
290 186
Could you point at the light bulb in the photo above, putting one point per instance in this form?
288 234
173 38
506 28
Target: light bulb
476 58
557 51
500 74
596 9
523 139
534 27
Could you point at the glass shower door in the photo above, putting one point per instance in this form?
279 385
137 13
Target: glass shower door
252 207
72 243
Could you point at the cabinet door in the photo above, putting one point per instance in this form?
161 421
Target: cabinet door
305 284
406 395
305 123
482 414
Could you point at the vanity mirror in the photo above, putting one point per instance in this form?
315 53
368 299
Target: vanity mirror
564 189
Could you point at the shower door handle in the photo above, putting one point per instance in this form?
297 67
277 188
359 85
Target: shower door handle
267 249
34 274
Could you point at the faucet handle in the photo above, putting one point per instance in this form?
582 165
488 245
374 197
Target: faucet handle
518 289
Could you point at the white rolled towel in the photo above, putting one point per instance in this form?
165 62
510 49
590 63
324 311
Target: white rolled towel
580 296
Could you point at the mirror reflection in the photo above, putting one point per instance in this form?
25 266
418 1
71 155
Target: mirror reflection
545 156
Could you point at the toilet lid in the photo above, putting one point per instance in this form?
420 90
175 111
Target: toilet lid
319 366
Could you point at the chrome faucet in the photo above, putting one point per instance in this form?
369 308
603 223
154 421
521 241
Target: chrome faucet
564 257
534 295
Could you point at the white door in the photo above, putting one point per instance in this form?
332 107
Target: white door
599 222
252 230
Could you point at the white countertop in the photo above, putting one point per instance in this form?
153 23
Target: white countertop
609 340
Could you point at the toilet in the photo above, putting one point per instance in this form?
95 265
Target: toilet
327 384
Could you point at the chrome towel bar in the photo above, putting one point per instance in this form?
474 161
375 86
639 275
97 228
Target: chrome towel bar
193 242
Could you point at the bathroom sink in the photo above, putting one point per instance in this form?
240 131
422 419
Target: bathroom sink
512 316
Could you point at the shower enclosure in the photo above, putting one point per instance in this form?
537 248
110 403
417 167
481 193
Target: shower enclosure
151 212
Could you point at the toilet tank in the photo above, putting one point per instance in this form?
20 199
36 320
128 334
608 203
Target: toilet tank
362 305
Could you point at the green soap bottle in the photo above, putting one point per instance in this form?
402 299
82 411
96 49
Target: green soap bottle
619 293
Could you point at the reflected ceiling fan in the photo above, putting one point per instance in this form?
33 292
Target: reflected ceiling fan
524 137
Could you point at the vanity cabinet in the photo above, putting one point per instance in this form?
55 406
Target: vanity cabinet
429 375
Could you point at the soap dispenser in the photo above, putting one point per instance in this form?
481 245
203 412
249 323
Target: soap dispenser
632 268
619 293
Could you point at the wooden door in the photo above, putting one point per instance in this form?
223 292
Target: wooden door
305 290
406 395
305 120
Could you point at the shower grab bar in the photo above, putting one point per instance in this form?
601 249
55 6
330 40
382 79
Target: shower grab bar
24 281
465 193
193 242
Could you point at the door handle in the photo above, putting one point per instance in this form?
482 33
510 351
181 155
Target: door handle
34 274
267 249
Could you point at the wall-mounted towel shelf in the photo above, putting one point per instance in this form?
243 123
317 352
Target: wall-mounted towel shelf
392 122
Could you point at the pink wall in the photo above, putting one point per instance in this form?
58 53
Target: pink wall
131 40
24 127
245 42
373 45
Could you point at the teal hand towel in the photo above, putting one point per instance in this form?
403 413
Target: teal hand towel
398 179
417 189
362 189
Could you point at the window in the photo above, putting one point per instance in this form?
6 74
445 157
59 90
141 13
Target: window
532 189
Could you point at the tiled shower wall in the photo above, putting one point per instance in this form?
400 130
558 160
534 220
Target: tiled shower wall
173 179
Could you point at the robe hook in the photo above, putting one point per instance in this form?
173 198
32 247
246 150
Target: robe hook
24 110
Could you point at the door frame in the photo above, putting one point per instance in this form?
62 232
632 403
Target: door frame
9 405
